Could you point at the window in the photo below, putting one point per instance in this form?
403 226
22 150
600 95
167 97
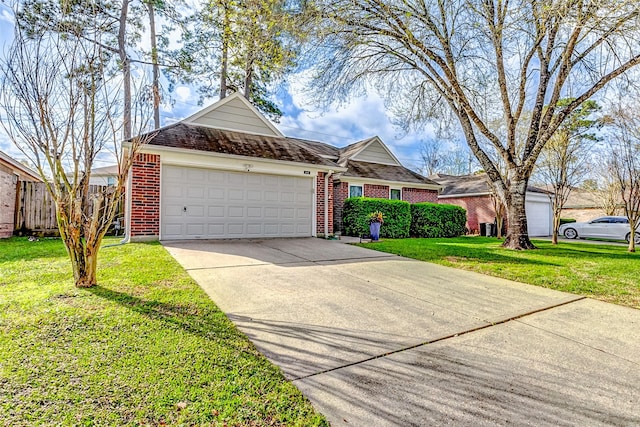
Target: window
603 220
395 194
355 191
111 180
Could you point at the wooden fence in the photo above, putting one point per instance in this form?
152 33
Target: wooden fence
36 210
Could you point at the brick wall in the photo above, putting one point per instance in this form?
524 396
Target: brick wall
419 195
340 193
320 196
479 209
145 197
8 183
377 191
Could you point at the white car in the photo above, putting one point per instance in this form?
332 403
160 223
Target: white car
606 227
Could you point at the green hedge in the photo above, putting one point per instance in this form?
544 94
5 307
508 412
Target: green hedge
397 216
436 220
566 220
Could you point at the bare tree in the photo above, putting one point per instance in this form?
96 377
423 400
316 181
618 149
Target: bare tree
61 108
431 157
484 61
564 159
625 166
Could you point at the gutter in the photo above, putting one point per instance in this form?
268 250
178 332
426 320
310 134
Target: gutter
326 203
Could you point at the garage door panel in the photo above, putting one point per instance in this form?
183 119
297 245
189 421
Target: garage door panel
254 195
215 230
271 196
216 211
235 178
173 210
223 204
195 211
236 229
215 177
254 212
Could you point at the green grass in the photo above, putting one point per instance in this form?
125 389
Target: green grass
605 272
145 347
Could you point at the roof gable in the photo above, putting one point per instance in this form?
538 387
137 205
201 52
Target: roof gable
234 113
371 150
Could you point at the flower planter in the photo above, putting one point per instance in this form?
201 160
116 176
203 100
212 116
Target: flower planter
374 230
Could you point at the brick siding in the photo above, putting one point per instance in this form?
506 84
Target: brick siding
419 195
8 185
320 196
479 209
376 191
340 193
145 196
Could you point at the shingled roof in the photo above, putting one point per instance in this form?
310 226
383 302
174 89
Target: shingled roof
194 137
181 135
384 173
469 184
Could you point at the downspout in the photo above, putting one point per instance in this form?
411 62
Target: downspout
326 203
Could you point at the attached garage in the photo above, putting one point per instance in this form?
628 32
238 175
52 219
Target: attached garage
198 203
539 216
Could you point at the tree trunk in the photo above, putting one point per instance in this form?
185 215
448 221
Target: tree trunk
556 226
126 71
156 68
517 232
226 34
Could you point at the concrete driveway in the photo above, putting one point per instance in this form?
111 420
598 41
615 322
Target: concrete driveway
378 340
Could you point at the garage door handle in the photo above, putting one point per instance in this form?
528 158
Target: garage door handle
184 209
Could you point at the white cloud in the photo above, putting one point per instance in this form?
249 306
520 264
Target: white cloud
357 119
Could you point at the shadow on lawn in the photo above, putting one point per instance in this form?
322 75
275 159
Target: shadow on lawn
206 322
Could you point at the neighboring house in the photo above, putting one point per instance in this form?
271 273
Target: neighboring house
12 173
107 175
227 172
472 192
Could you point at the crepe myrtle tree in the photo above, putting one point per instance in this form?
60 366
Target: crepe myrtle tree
480 61
564 160
624 165
60 108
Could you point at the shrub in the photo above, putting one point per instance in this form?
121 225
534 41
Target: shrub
436 220
566 220
396 213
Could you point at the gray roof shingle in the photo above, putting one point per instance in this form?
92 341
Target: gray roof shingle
194 137
181 135
469 184
384 173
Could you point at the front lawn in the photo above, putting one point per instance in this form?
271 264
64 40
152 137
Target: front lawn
605 272
145 347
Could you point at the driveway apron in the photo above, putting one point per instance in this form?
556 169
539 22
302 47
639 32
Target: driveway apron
374 339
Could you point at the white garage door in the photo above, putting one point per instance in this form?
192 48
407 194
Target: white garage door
209 204
538 217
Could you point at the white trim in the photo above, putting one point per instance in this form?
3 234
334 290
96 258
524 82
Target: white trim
314 207
361 181
371 141
356 185
220 103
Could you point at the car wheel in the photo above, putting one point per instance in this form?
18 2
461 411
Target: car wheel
636 239
570 233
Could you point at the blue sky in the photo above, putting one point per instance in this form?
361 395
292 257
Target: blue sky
357 119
